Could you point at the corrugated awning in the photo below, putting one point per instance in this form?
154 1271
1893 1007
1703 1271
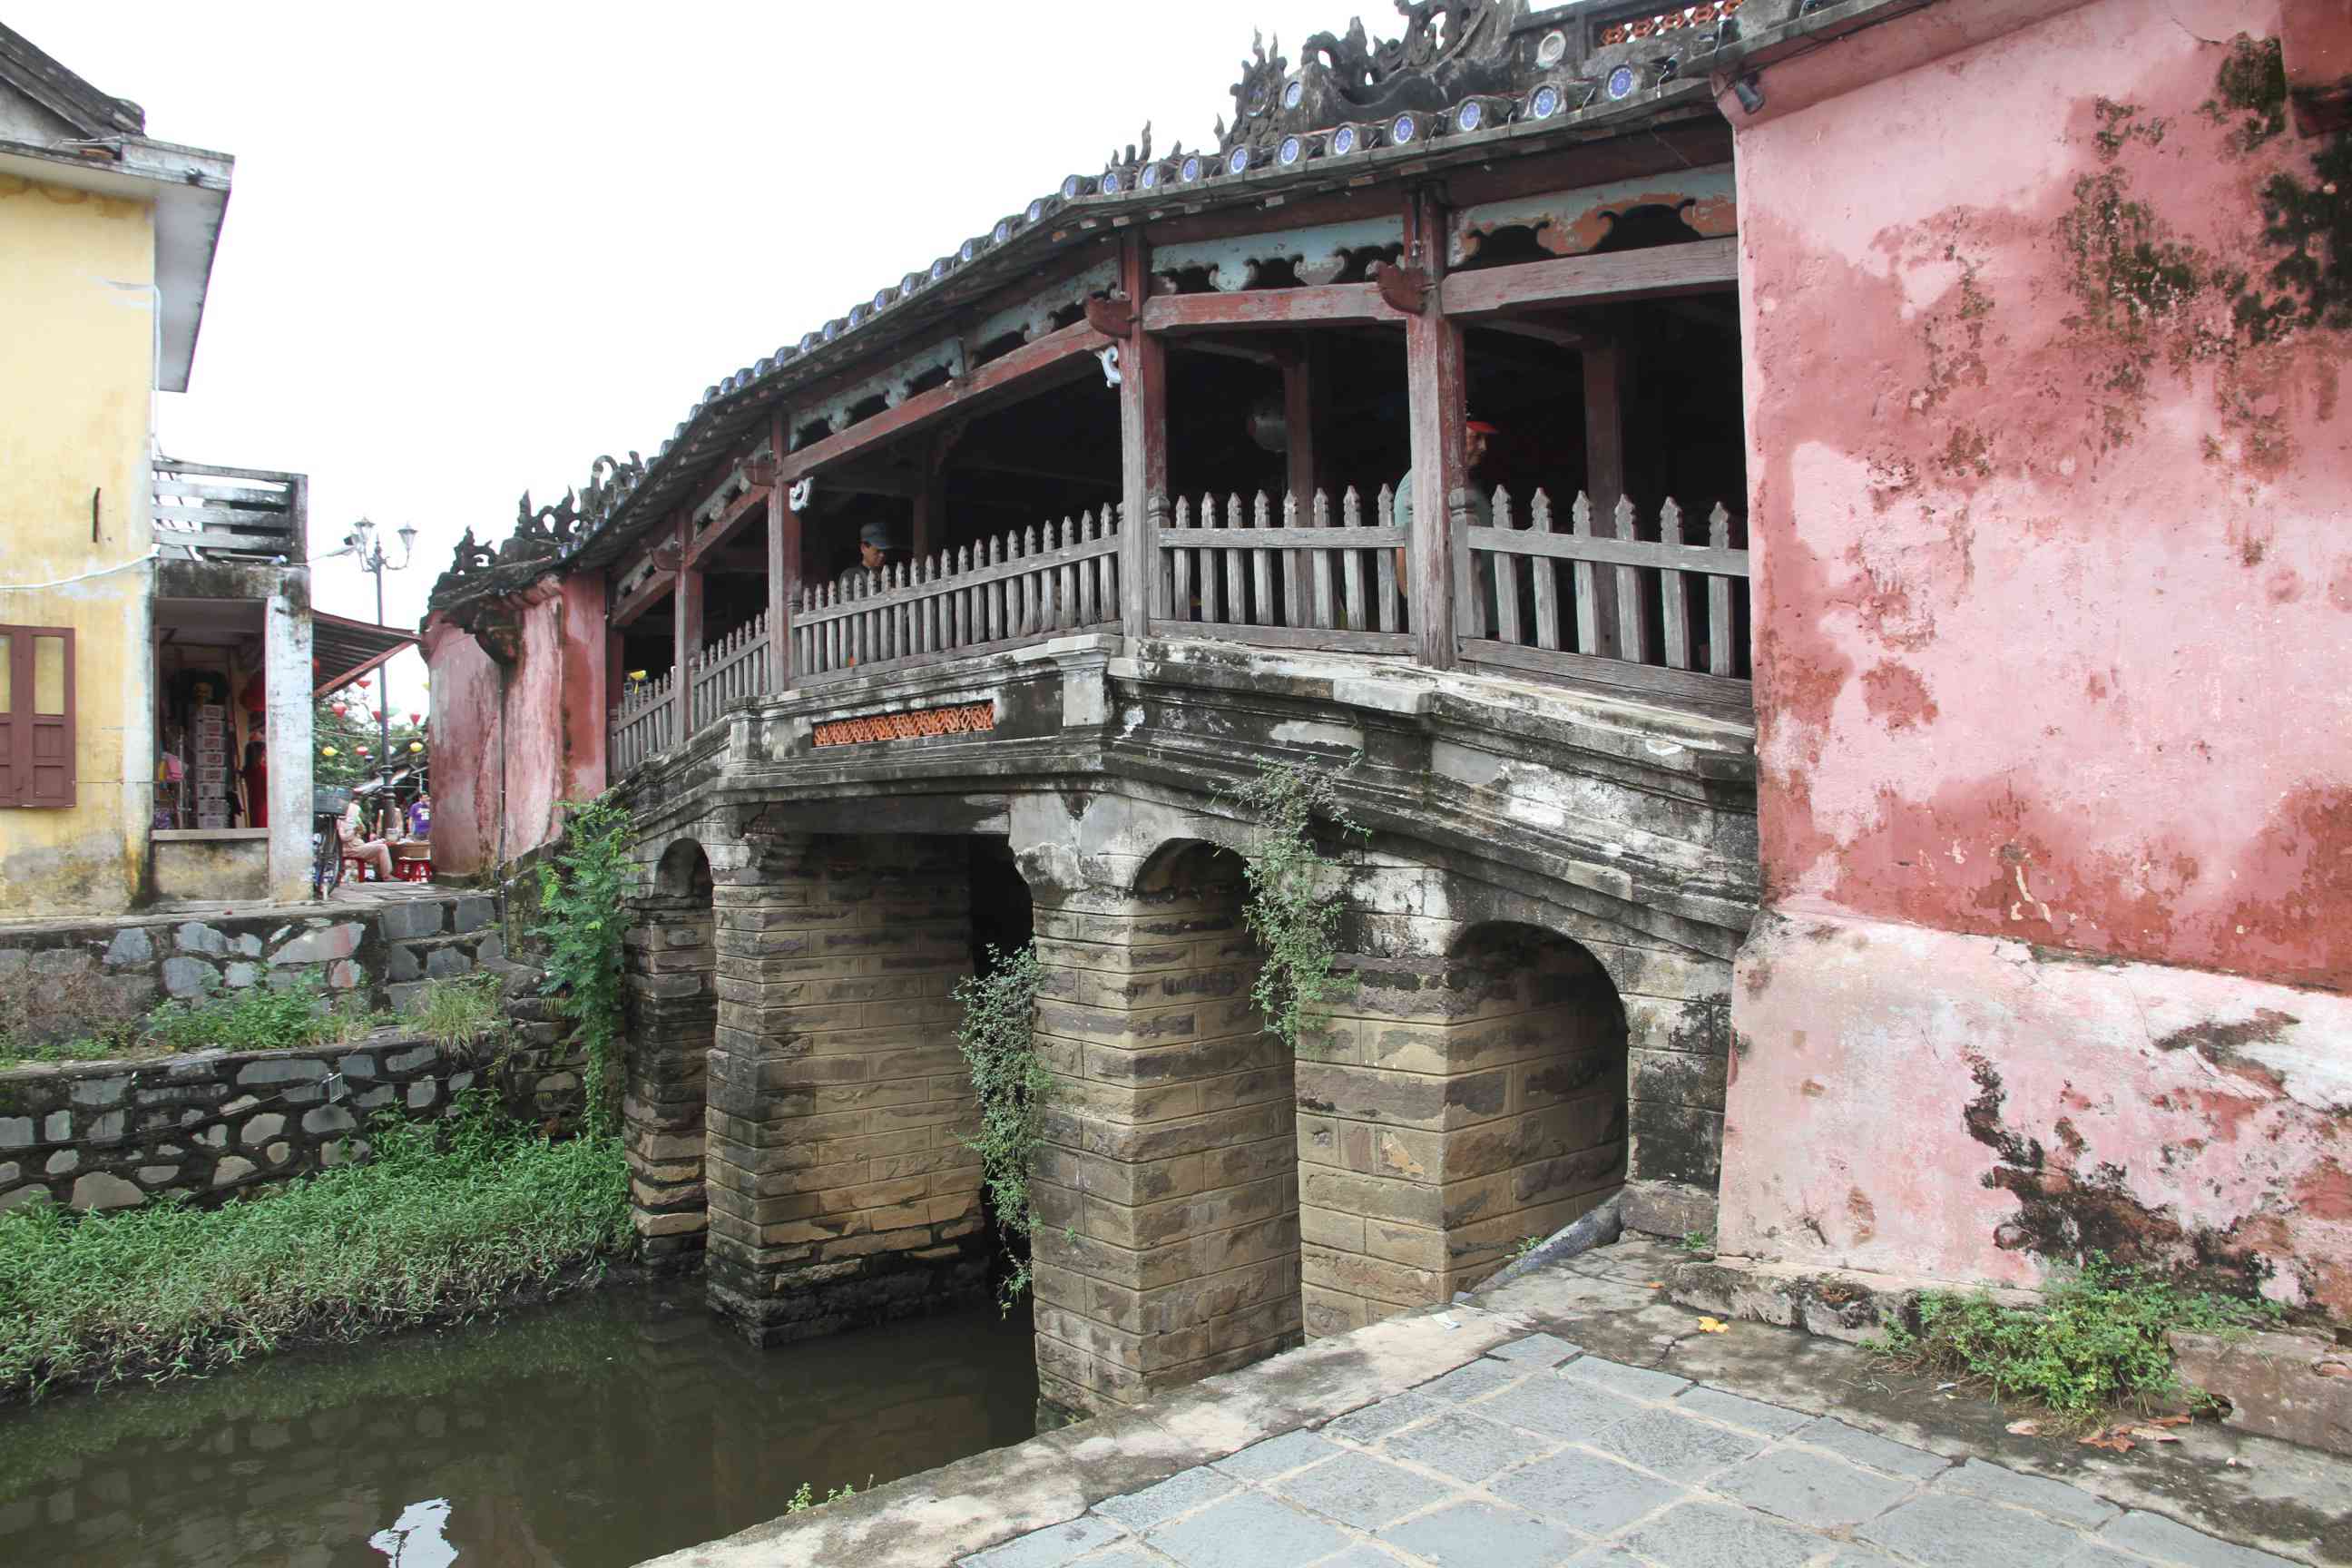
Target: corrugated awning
346 649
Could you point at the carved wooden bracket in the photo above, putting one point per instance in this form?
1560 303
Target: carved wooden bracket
1113 317
761 472
1405 289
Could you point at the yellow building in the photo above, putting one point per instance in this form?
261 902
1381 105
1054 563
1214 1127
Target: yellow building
154 615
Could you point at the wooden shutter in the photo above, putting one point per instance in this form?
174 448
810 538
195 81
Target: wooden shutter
37 753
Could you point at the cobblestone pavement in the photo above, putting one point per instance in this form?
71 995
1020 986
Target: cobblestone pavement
1538 1454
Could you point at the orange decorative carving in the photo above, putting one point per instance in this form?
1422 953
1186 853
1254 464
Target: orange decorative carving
972 718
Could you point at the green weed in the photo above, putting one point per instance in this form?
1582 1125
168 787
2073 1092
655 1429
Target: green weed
1013 1086
584 896
1292 909
453 1012
2093 1343
448 1219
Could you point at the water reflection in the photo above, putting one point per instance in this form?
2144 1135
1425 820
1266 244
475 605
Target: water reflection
590 1434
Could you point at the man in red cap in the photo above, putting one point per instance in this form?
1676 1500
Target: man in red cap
1476 435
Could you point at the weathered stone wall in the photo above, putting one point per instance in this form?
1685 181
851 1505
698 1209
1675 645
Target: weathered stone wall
673 1003
1450 1111
841 1188
112 1135
1165 1246
383 953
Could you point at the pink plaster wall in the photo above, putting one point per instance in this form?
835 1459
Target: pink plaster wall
2053 616
2055 591
553 749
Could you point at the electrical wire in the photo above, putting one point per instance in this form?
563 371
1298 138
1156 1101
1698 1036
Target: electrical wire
155 552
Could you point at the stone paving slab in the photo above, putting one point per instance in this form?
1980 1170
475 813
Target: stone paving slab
1511 1462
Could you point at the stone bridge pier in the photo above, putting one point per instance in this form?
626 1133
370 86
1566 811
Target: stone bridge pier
841 1187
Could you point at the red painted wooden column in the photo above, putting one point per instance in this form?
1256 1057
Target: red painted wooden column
1435 380
1302 414
1604 473
783 566
686 625
1143 442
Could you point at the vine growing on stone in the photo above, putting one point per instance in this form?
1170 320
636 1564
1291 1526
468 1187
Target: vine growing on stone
583 895
1291 909
1013 1086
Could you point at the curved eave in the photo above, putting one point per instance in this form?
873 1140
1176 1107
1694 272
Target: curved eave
744 400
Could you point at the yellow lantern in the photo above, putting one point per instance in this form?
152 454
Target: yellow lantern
415 745
327 750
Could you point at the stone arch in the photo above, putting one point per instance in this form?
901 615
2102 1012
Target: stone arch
673 1013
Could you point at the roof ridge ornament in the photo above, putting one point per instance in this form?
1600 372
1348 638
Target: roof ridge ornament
1451 48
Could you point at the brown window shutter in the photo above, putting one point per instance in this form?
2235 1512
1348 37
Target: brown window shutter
37 755
49 760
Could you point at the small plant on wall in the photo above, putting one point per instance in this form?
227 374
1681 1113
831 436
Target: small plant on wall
583 897
1013 1086
1292 911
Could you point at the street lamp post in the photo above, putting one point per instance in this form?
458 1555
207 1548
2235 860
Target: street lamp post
365 540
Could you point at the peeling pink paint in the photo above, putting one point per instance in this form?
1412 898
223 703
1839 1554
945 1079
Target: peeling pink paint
2050 621
555 696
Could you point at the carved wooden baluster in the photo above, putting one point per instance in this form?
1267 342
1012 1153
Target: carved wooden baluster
1262 608
1106 564
1588 594
1035 587
1180 563
1204 565
1633 610
965 633
1384 572
1720 655
1237 564
1294 589
1319 568
1546 571
1090 530
1351 563
1673 594
1503 570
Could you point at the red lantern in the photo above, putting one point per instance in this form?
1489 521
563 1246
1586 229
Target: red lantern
417 717
341 709
362 750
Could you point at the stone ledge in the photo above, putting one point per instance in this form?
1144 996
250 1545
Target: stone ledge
1830 1303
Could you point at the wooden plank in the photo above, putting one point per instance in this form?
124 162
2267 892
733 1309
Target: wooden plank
1674 599
1719 651
1632 609
1318 565
1604 467
1679 686
1502 570
1318 639
1262 570
732 519
217 471
1698 267
648 593
1436 378
1295 505
1352 562
1293 538
1319 304
1142 446
1613 552
223 538
1385 562
1547 575
224 494
1181 562
1587 598
1057 357
1206 561
1236 563
265 521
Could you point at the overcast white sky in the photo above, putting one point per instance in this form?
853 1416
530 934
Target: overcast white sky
469 248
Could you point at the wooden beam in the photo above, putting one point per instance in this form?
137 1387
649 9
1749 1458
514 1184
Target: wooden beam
783 570
1604 471
686 630
731 521
1142 444
1050 360
1694 267
1435 375
1323 302
648 593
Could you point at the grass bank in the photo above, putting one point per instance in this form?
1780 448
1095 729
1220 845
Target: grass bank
448 1218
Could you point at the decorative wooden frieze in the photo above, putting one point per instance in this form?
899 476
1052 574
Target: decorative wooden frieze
967 719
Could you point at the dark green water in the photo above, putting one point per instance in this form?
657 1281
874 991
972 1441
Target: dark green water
593 1434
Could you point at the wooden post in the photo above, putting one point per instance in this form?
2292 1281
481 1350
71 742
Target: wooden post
783 567
686 628
930 501
1302 414
1604 466
1435 378
1143 443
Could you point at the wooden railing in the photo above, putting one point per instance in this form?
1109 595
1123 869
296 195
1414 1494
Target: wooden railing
1300 582
998 595
734 667
245 513
1667 615
644 725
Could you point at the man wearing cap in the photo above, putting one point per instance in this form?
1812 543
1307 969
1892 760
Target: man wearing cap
874 548
1475 436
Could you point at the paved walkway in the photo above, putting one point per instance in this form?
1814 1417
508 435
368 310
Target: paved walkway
1538 1455
1576 1415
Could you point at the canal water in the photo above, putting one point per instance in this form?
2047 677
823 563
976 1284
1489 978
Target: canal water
591 1434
